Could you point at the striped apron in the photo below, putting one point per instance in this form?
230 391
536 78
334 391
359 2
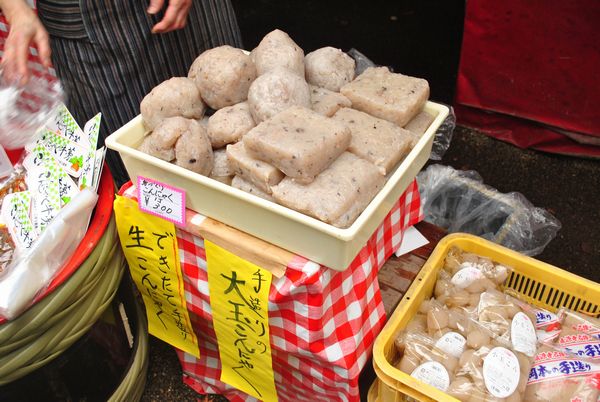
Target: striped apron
108 60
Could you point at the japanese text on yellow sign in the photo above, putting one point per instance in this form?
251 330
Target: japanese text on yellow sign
239 296
150 246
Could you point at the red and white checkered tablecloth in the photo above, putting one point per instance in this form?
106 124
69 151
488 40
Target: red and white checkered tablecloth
322 322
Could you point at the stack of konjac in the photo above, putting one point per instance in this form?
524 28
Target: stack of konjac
298 130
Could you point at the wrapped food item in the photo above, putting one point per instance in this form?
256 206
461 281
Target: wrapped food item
547 324
580 322
580 344
557 376
473 268
424 361
13 183
502 315
479 365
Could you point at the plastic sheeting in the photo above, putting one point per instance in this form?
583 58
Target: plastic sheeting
458 201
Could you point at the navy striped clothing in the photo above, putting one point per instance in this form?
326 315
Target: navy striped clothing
108 59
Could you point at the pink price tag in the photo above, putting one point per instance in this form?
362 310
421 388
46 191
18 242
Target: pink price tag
161 200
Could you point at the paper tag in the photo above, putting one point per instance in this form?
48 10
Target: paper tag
86 178
67 188
466 275
434 374
91 131
522 334
98 165
150 246
67 153
452 343
411 240
161 200
42 182
239 299
65 124
501 372
15 214
37 156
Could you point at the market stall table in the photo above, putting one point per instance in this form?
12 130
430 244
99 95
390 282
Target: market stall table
322 322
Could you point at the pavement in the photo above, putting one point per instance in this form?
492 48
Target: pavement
422 38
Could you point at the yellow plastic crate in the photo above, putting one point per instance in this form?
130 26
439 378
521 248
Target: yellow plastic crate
538 283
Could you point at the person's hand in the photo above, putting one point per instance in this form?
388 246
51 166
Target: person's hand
175 16
25 30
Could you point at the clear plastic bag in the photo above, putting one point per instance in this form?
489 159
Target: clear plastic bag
459 355
443 136
362 61
24 110
458 201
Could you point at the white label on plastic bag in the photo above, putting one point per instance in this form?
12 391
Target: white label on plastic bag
434 374
466 276
452 343
522 334
556 365
501 372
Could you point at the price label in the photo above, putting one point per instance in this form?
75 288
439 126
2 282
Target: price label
161 200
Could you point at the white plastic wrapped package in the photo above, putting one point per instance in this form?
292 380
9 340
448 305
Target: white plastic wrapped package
32 271
458 201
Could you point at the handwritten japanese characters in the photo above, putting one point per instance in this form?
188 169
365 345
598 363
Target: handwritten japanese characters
150 246
239 296
161 200
556 364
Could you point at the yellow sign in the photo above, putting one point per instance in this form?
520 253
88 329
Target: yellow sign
239 297
150 246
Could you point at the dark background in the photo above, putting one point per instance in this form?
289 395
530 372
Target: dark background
415 37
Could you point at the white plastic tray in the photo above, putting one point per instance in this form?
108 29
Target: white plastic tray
286 228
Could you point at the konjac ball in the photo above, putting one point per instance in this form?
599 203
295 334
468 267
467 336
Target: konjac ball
223 76
178 96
